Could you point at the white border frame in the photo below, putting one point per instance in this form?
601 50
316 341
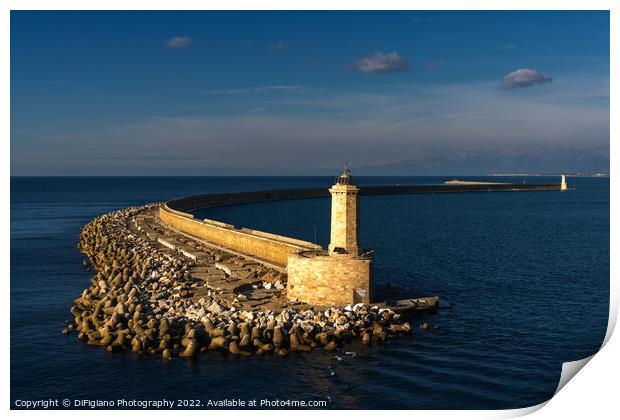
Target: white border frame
592 395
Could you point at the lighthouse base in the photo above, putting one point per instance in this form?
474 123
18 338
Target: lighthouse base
325 280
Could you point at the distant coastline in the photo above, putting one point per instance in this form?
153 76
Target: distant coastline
576 174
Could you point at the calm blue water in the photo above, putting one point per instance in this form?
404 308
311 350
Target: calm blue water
527 275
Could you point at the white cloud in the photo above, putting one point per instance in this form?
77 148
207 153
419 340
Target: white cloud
382 63
178 42
523 78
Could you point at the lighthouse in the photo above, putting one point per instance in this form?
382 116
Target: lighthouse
563 183
341 275
344 232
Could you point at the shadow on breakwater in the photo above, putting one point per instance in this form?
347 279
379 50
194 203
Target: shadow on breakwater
197 202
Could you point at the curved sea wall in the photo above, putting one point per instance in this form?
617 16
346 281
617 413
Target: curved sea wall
196 202
270 248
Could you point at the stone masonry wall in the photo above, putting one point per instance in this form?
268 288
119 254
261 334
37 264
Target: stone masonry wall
268 247
326 280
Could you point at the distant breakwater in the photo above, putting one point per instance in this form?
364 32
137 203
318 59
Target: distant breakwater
197 202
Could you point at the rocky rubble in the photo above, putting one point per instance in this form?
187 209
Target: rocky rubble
139 299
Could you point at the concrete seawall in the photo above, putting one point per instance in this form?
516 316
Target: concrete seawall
267 247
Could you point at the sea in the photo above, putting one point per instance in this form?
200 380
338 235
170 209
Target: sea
524 277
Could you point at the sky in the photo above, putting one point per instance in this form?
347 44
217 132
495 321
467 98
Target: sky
300 93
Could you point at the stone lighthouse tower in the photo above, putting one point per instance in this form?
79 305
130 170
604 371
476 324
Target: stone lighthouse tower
344 237
342 274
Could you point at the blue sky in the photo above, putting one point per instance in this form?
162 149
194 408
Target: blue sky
276 93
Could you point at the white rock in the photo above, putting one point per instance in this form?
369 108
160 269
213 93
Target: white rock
215 308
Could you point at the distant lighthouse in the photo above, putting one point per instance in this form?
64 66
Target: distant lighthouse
344 235
563 183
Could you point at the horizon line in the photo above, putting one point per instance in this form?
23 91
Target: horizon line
599 174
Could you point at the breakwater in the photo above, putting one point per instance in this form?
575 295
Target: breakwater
155 291
166 283
196 202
